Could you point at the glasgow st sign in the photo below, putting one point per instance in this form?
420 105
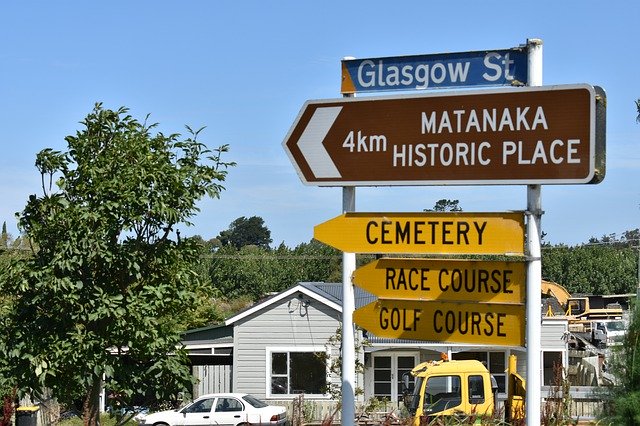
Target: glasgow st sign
436 71
526 135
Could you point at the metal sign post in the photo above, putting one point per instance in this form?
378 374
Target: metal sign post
534 267
526 136
348 409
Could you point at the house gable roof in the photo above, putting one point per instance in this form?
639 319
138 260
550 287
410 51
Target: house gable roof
325 293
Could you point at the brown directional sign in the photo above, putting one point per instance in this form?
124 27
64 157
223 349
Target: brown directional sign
530 135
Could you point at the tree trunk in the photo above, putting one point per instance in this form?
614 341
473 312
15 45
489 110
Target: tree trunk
91 404
7 409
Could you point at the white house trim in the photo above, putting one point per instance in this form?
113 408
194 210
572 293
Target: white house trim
270 349
280 296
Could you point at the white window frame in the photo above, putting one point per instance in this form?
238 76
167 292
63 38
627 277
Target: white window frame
395 377
293 349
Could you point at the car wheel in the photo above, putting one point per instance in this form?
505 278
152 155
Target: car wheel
161 424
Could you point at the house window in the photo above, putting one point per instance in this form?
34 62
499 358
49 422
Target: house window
552 368
294 372
495 363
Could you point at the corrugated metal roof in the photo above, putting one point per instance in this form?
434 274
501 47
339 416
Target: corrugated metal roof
333 291
218 333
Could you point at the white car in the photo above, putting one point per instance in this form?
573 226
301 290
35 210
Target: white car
219 409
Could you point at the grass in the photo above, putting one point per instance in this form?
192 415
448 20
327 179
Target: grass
105 420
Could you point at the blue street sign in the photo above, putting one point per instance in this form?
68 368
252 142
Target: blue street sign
507 67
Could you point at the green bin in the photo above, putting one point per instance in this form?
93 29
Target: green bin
27 416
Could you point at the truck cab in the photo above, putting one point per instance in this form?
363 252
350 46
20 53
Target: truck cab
450 388
608 332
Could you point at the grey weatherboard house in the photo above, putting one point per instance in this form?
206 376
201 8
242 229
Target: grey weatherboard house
281 347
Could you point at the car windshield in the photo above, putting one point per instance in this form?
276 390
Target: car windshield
255 402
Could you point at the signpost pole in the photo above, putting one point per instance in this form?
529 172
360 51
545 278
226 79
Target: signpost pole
348 306
534 265
348 410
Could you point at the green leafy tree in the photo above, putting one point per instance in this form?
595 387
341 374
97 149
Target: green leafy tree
7 382
255 271
445 205
5 238
207 309
315 261
603 266
623 404
109 279
244 232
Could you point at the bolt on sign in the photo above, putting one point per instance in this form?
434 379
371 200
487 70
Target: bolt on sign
464 322
526 135
426 232
450 280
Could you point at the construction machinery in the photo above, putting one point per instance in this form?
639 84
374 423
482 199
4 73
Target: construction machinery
590 319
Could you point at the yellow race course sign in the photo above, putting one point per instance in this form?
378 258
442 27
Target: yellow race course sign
443 279
426 232
463 322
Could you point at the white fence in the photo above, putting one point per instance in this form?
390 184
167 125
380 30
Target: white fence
212 379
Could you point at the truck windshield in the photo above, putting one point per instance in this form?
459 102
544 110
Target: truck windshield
414 398
616 326
441 393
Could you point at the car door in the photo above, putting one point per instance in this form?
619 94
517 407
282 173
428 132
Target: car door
198 413
229 411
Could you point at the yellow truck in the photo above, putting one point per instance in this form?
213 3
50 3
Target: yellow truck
463 389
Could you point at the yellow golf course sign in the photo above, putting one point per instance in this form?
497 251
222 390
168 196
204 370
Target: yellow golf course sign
443 279
464 322
426 232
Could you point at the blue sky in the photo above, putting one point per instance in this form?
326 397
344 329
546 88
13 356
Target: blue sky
245 68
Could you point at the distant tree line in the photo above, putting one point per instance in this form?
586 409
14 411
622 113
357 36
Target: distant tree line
606 265
240 267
